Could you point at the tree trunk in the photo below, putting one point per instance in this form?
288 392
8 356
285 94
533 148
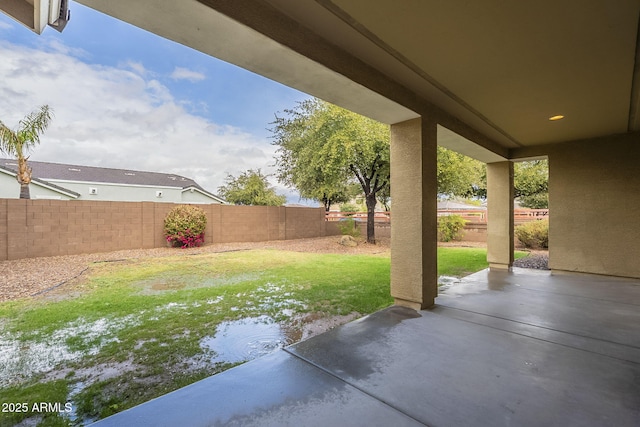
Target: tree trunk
24 177
327 204
371 212
24 191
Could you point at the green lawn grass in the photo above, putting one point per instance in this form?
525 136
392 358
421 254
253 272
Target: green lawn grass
150 315
461 262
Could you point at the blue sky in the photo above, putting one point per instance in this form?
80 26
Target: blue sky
127 98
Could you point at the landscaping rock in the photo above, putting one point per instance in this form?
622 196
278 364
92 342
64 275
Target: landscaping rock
536 260
348 241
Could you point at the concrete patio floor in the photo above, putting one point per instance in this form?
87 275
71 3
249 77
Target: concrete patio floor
521 348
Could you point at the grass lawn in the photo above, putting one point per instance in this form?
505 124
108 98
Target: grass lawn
133 330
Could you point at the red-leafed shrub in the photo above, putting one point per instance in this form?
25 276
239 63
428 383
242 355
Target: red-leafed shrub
184 226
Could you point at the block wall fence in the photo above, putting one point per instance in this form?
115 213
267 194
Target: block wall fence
36 228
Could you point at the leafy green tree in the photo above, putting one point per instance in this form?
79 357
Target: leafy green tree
384 197
531 182
323 148
462 176
459 175
250 188
17 143
298 162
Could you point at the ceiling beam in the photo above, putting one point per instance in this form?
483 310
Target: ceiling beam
540 151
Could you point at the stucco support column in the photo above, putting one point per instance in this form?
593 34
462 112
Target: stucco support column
414 281
500 213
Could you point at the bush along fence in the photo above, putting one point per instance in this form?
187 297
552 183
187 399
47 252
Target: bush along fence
534 235
184 226
34 228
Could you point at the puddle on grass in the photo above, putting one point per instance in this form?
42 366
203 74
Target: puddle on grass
158 285
246 339
21 359
252 337
73 414
445 282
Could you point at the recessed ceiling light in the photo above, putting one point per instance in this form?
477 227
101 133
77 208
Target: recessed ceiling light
556 118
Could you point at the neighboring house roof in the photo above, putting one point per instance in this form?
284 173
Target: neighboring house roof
43 171
203 191
13 172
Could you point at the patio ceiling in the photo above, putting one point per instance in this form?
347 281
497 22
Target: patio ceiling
492 71
505 66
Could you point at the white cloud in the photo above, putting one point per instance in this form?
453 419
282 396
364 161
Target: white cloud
5 26
135 66
180 73
118 117
56 46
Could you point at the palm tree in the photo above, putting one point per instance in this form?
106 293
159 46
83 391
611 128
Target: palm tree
17 143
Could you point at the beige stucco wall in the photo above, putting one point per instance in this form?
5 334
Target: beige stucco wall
500 213
414 269
594 198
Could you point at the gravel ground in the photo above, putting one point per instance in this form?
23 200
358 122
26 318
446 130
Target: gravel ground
536 259
34 276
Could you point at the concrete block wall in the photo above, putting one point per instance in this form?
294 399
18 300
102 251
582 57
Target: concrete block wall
35 228
302 223
4 230
475 232
259 223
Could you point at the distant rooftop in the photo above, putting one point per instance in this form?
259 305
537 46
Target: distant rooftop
46 171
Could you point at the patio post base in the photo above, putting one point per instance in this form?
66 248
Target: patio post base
415 305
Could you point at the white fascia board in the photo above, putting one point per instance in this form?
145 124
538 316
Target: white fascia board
40 183
45 12
40 15
57 190
205 194
54 11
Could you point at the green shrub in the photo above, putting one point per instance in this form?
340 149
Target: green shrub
534 234
349 226
184 226
450 228
349 207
